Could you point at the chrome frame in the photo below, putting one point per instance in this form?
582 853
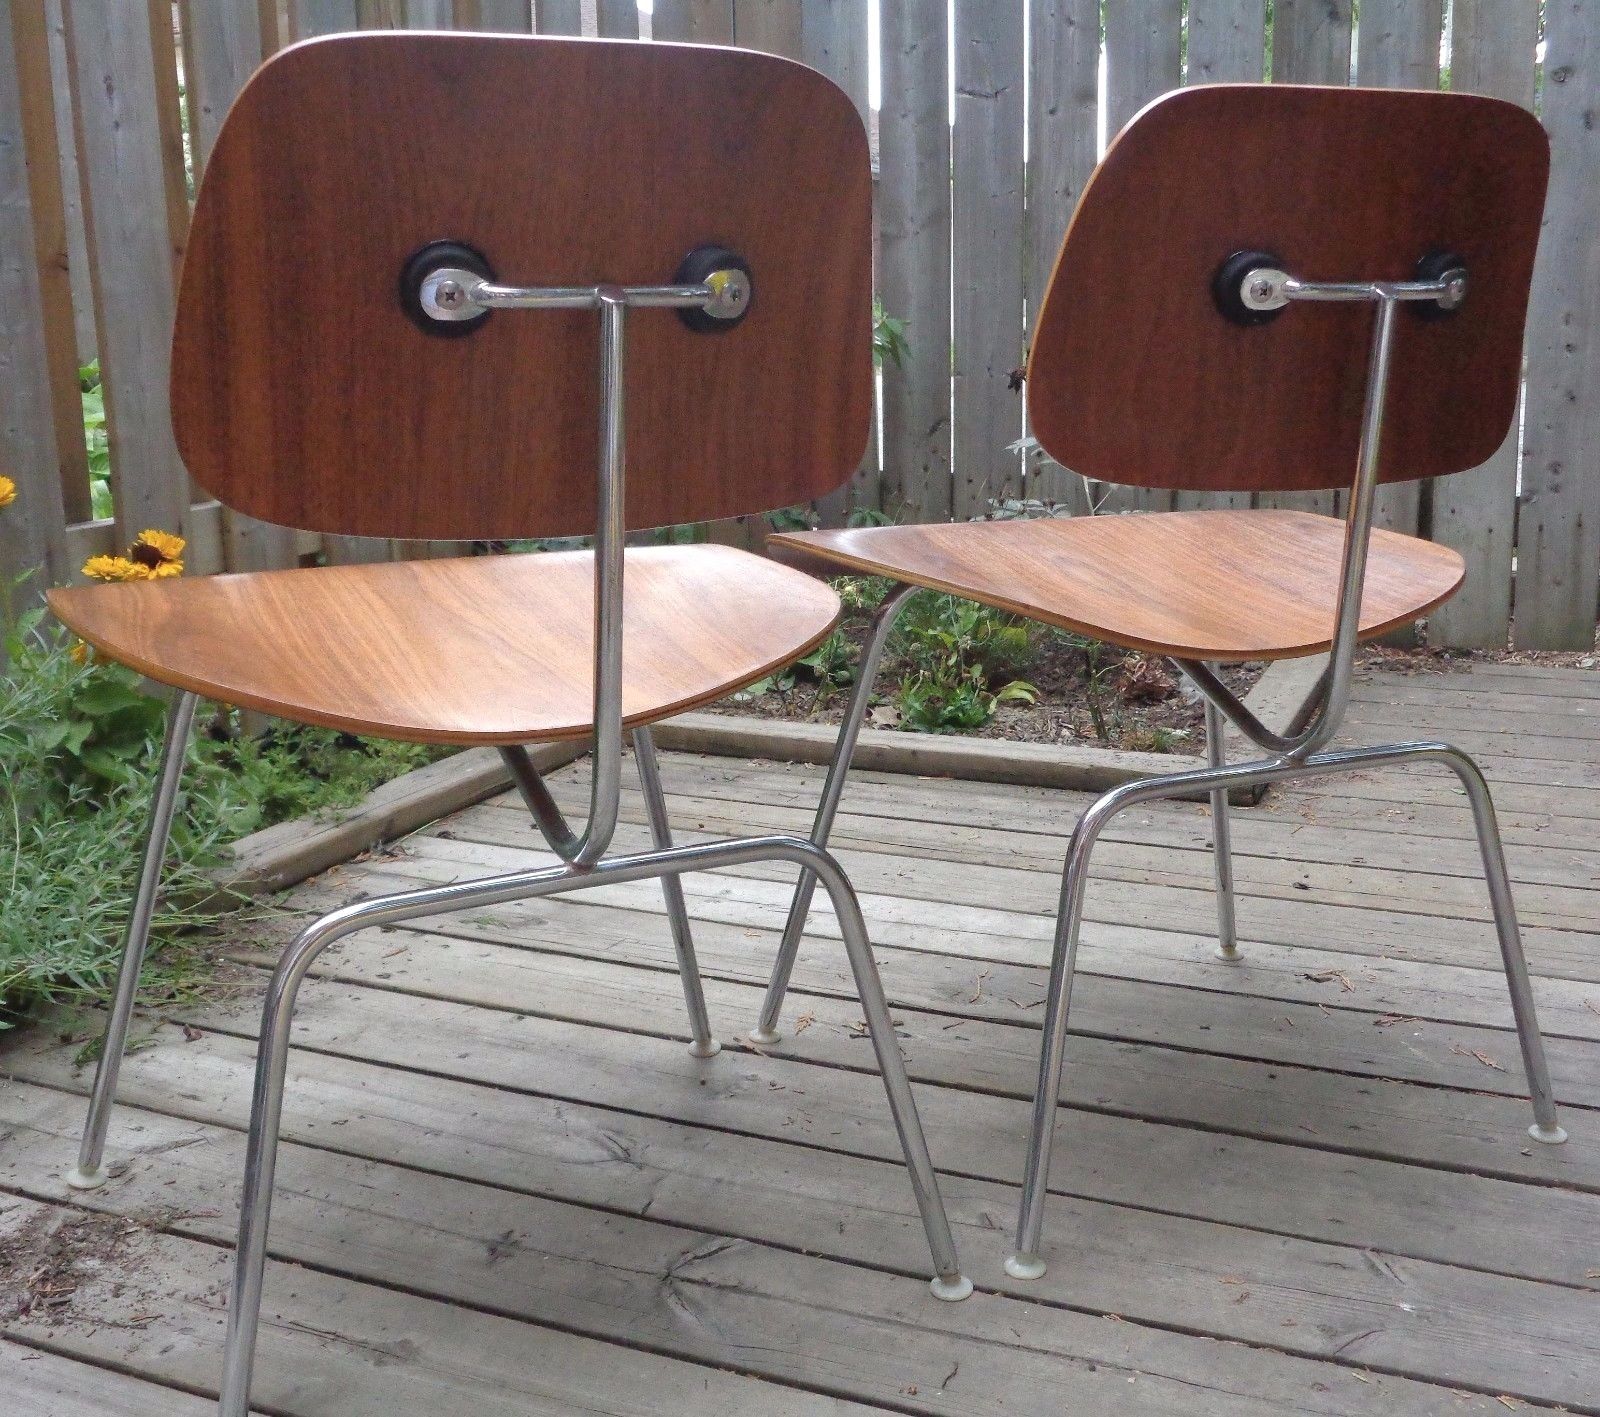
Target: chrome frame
583 866
1299 752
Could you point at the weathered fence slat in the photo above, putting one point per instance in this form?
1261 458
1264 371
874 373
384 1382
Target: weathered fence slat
1492 51
558 17
618 19
914 256
1063 113
1227 41
130 239
505 16
986 255
1558 541
32 529
42 150
693 21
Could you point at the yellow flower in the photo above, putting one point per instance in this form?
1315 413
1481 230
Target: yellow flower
8 491
158 551
115 568
79 652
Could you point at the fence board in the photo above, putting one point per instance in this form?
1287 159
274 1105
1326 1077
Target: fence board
914 256
1227 45
1397 46
1063 116
1558 542
1227 41
502 16
558 16
986 255
1492 47
71 191
42 150
32 529
1144 58
618 19
130 243
693 21
776 27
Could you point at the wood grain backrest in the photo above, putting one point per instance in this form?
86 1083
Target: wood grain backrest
302 394
1136 377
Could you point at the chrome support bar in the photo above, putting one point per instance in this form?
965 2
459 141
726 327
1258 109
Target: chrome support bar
1026 1262
272 1058
451 293
1221 838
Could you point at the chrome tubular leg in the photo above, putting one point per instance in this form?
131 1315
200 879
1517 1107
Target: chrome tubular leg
704 1044
89 1173
948 1282
1545 1128
1026 1262
766 1029
1221 838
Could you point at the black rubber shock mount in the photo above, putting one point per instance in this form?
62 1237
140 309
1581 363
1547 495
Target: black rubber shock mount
436 256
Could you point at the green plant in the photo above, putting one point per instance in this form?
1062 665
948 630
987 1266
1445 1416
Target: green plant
955 700
80 743
889 342
95 441
936 631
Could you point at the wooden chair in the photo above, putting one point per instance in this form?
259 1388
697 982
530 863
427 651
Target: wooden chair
350 358
1173 350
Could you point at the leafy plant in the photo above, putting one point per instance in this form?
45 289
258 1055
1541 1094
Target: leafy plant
96 443
889 344
955 701
80 743
944 632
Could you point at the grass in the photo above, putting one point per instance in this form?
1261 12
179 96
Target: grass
80 744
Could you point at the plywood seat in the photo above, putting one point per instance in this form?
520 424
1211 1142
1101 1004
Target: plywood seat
493 649
1223 585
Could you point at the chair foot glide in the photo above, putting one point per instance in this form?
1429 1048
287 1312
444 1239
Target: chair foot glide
1025 1266
1553 1135
952 1288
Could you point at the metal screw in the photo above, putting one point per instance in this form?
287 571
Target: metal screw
449 294
1261 289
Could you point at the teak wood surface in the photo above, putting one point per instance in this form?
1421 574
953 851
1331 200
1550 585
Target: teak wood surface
492 649
303 395
1219 585
1135 376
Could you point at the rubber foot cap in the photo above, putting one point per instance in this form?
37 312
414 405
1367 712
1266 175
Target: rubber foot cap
1550 1136
81 1180
1020 1266
1229 956
764 1036
952 1290
708 1049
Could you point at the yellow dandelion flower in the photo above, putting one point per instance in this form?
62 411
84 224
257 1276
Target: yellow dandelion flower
115 568
158 549
8 491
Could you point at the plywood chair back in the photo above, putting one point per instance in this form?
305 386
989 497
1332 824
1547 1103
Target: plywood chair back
303 393
1137 377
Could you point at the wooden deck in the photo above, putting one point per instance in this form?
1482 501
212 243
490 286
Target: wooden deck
1297 1186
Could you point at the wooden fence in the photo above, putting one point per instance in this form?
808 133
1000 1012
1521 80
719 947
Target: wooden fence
109 107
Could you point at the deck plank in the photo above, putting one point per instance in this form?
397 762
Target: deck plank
1300 1185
